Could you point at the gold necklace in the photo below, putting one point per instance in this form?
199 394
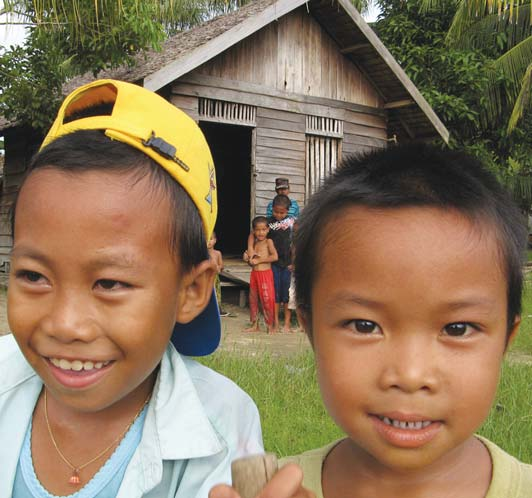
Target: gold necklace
74 478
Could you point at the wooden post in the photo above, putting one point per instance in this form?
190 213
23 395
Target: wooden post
251 474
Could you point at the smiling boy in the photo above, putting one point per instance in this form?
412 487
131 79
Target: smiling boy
110 264
409 282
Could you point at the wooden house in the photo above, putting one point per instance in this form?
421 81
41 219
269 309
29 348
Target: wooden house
280 88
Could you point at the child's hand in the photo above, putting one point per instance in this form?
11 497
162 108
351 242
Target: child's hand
286 483
245 257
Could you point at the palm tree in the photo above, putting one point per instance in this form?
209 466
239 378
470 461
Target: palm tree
505 26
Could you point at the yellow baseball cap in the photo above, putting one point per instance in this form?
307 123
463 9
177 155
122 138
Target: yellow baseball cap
144 120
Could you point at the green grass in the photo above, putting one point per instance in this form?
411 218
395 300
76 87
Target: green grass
286 392
294 419
509 422
523 341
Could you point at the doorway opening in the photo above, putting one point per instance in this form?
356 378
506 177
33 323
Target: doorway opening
231 150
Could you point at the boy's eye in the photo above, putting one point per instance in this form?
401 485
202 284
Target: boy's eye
32 277
364 326
459 329
108 284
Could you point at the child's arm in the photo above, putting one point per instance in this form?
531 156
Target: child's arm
219 261
251 246
286 483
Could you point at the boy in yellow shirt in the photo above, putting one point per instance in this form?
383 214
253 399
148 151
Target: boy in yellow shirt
408 274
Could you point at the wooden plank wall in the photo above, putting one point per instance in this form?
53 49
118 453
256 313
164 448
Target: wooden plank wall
280 151
280 138
295 55
20 145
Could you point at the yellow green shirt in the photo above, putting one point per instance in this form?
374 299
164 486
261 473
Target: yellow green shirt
510 477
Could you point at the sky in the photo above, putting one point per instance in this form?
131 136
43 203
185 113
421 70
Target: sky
10 35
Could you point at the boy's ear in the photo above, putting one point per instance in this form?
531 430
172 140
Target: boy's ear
196 291
513 332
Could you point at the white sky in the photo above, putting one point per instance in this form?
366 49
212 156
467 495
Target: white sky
10 34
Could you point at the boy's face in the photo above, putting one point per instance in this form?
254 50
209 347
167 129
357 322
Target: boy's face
279 212
283 191
261 231
94 291
212 242
409 322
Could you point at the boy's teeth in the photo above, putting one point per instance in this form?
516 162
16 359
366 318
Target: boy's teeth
400 424
77 365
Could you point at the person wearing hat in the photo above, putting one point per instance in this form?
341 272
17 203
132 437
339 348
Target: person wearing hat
111 288
282 187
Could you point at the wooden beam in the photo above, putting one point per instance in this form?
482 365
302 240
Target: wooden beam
399 103
354 48
263 96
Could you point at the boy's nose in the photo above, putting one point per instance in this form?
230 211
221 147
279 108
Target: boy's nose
69 319
410 366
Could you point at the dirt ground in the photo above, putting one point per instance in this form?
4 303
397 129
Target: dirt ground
233 336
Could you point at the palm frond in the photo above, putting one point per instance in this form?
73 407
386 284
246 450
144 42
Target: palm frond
512 64
471 34
523 101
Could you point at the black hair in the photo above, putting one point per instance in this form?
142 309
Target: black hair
413 175
282 201
259 219
87 150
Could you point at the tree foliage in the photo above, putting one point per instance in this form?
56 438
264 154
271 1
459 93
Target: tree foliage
456 79
501 27
70 37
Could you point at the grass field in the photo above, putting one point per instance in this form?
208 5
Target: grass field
294 419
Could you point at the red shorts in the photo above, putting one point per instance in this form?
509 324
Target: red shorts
261 289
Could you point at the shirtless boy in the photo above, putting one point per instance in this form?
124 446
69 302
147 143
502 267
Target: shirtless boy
261 279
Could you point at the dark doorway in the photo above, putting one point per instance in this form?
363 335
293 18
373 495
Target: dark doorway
231 150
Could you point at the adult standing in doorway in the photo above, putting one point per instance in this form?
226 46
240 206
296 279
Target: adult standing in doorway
282 187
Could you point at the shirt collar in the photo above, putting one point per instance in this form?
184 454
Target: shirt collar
181 424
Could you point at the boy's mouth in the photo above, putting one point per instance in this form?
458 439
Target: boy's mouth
78 365
402 424
406 431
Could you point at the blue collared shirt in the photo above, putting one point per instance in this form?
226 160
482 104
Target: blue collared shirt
197 422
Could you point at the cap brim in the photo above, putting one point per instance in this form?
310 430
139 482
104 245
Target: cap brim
201 336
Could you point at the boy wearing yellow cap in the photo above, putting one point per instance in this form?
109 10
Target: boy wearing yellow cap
111 286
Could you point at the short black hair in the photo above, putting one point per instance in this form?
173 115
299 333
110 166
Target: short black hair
281 200
414 175
259 219
86 150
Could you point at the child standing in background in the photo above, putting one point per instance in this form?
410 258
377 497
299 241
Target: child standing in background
281 226
216 256
409 282
261 286
280 231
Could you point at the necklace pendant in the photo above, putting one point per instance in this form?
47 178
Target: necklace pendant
74 478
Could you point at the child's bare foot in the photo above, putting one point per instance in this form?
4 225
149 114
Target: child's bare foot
271 329
286 329
253 328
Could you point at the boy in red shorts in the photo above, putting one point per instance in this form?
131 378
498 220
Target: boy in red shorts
261 280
